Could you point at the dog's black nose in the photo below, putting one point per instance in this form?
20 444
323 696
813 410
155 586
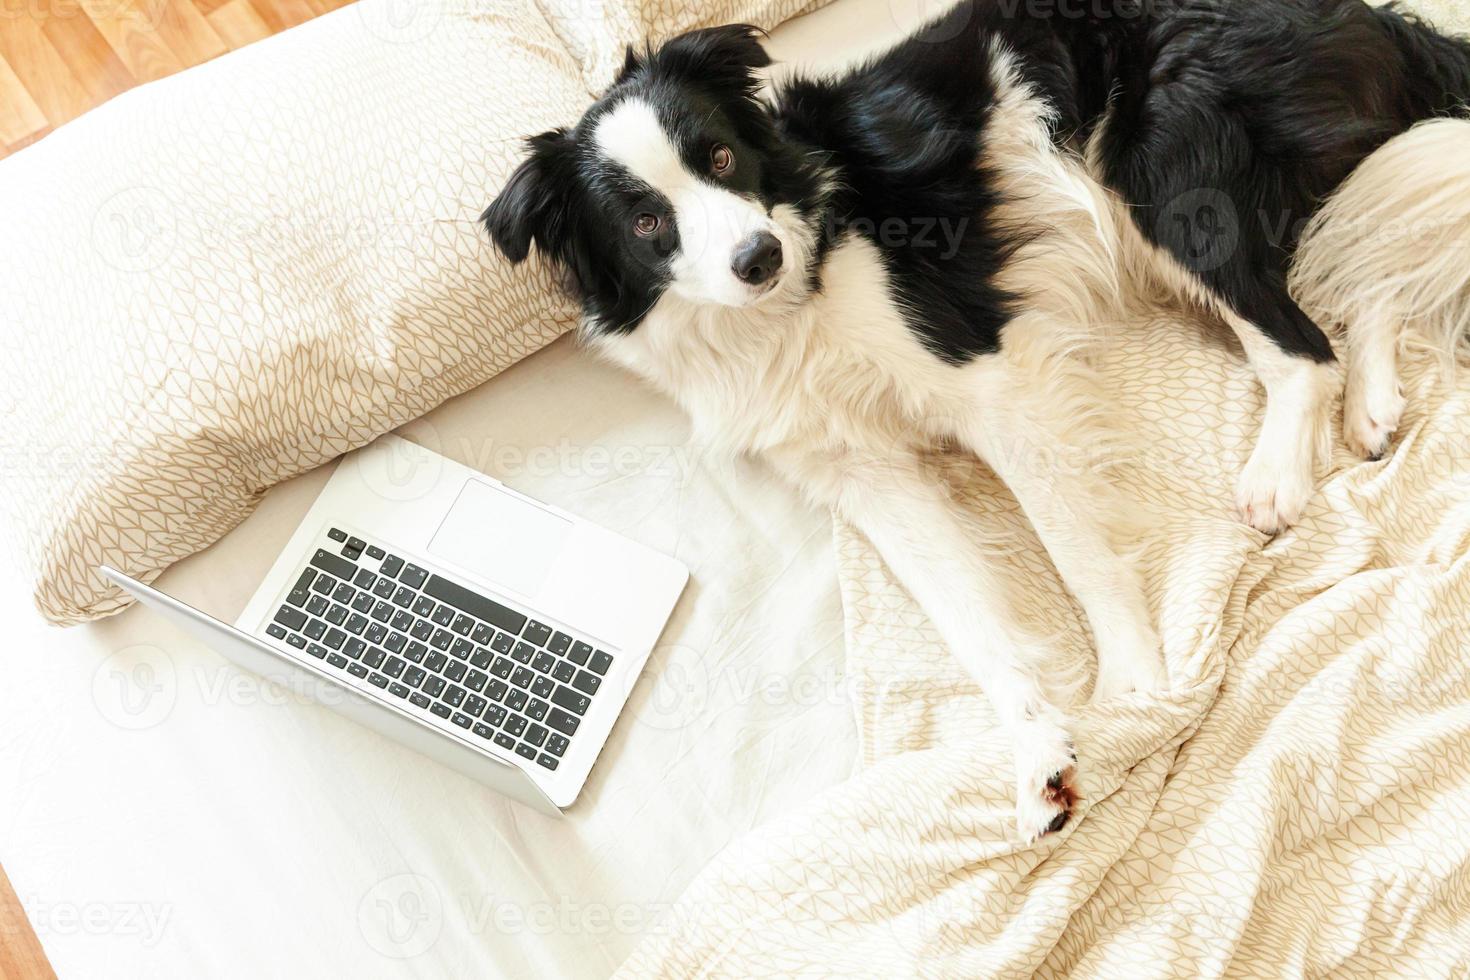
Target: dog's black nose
757 259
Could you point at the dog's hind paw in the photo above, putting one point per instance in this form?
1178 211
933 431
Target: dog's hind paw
1272 493
1371 411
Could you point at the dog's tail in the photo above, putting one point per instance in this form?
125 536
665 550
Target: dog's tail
1391 246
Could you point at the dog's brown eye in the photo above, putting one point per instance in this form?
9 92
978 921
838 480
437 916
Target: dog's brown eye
645 224
721 158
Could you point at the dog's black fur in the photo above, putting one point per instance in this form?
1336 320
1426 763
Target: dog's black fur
1223 124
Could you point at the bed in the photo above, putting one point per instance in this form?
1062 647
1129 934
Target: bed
797 785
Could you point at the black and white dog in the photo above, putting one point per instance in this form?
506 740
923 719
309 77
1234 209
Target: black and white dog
844 273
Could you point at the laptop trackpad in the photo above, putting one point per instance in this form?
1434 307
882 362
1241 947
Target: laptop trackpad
501 538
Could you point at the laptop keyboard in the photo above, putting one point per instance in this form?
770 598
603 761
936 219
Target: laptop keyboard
445 649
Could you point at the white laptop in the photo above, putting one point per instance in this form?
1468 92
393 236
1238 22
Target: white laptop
492 632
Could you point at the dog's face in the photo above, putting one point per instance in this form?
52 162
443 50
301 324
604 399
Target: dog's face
675 181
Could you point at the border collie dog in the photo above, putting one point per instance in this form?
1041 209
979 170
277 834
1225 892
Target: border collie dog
842 274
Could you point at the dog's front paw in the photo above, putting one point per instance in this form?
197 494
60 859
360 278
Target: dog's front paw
1274 490
1046 775
1125 668
1371 411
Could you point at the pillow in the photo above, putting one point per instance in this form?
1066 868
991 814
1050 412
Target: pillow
220 280
597 32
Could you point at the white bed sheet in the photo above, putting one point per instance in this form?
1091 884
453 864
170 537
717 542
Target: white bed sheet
163 813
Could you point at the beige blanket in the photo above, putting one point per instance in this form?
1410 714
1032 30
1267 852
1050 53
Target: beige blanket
1296 806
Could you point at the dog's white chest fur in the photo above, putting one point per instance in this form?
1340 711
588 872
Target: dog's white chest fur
835 371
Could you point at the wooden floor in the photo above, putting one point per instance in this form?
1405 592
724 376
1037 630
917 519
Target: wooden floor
59 58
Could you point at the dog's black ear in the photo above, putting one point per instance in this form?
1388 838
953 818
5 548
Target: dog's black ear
631 63
722 57
534 204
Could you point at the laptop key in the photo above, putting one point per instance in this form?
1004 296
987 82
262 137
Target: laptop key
335 638
423 605
497 690
441 709
482 634
422 630
386 588
516 699
414 676
515 724
525 751
364 602
502 667
336 565
543 662
502 643
391 565
462 720
454 670
441 639
297 640
474 705
343 593
337 534
567 698
316 629
357 670
373 551
483 730
462 648
601 661
505 741
382 612
415 651
356 623
455 696
292 619
542 687
537 709
397 690
374 657
475 680
436 662
537 633
561 721
403 598
418 699
377 680
434 686
564 671
548 761
463 624
337 660
300 591
524 653
364 579
317 605
587 683
317 650
521 677
395 642
560 643
324 585
356 543
394 667
579 653
336 615
557 744
442 614
478 606
276 630
481 657
376 633
413 577
354 648
495 716
536 735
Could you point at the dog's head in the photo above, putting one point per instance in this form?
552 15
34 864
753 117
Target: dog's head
675 181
